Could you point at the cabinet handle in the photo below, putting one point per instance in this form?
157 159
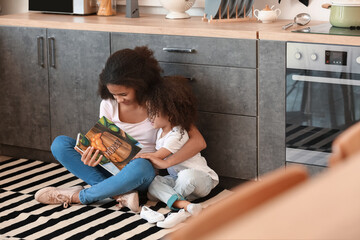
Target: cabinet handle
190 79
40 46
179 50
51 41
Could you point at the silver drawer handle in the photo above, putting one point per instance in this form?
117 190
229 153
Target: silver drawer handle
179 50
190 79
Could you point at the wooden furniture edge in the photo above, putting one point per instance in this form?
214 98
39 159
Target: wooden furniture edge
245 198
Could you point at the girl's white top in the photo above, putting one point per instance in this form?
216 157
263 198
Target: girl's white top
173 141
143 131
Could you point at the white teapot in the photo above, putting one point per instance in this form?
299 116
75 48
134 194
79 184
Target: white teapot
267 15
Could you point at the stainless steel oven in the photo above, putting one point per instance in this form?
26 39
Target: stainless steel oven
322 98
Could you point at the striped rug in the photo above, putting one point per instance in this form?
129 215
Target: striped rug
24 218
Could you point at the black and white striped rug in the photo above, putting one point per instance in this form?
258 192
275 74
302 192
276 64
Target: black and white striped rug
24 218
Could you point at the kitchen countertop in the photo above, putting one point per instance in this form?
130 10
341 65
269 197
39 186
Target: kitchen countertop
157 24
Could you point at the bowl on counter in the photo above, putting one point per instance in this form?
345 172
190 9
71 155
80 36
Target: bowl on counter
177 8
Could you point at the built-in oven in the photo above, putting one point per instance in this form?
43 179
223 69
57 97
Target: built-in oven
322 98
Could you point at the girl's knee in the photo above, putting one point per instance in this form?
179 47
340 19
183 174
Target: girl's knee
145 166
187 175
156 182
61 143
153 187
193 182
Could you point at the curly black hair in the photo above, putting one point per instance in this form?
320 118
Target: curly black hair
135 68
175 99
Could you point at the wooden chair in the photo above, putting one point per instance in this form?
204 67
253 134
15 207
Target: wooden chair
345 145
245 198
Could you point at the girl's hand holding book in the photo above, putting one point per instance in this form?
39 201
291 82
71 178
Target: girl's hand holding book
90 159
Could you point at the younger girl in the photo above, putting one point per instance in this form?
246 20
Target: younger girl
172 110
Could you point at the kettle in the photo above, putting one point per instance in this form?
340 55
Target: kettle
267 15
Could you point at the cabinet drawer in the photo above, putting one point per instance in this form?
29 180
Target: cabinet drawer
205 50
231 144
219 89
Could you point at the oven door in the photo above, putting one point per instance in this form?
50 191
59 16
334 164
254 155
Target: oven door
319 106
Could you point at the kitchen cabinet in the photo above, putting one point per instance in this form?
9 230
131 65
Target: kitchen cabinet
227 115
224 80
231 144
272 67
50 79
192 50
24 92
73 76
222 90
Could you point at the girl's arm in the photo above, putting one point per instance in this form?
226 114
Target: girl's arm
162 153
157 158
194 145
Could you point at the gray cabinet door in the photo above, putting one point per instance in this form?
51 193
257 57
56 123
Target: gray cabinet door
272 97
231 144
24 96
219 89
195 50
76 58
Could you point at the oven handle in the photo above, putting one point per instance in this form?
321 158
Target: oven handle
351 82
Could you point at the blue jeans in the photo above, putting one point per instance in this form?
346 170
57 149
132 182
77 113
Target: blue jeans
136 175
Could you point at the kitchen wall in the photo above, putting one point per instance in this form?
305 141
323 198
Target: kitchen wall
289 8
13 6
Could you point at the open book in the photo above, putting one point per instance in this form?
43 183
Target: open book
116 146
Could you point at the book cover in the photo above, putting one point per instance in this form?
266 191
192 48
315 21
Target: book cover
116 146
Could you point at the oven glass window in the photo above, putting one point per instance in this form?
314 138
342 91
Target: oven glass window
317 112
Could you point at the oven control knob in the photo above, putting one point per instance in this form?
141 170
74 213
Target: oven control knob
297 55
313 56
358 60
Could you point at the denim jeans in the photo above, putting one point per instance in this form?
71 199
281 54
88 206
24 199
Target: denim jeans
136 175
190 184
